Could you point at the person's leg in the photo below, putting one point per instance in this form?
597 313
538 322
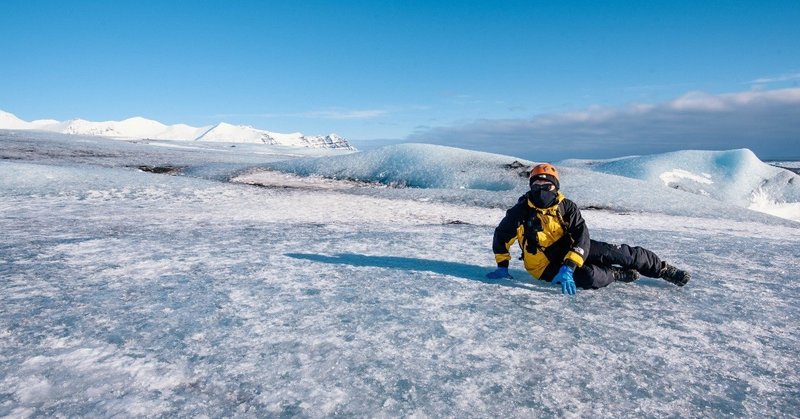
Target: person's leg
587 276
590 276
637 258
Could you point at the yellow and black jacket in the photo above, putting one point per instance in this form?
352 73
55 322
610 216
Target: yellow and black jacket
548 237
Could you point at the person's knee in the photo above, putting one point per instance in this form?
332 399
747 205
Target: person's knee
593 277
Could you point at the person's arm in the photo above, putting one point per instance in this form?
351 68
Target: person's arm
505 235
578 232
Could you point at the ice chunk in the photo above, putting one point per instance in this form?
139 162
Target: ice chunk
735 177
418 165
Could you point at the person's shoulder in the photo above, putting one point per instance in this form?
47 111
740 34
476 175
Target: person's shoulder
568 204
521 205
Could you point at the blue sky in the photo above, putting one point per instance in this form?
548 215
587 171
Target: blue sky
487 74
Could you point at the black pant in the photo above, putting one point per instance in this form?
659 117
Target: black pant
596 271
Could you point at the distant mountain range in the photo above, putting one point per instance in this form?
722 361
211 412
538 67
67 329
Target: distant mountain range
138 127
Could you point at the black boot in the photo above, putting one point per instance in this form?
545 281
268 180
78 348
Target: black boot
624 275
674 275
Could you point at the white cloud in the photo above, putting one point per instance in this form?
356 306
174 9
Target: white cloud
767 122
776 79
698 101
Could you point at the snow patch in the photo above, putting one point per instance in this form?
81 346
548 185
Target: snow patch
678 175
763 202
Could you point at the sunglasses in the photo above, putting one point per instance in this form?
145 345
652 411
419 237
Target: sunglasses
544 186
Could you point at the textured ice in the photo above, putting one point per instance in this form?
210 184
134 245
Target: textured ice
735 177
126 293
697 183
416 165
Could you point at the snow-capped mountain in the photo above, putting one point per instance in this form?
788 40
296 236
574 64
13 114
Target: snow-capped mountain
138 127
247 134
10 121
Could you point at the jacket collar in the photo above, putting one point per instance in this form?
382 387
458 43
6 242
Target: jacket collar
560 197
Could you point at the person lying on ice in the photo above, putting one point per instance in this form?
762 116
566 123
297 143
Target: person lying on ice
556 246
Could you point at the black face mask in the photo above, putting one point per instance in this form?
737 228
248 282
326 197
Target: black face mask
542 198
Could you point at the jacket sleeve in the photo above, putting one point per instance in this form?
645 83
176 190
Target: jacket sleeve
578 232
505 235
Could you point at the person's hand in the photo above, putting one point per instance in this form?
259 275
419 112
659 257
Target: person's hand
499 273
564 277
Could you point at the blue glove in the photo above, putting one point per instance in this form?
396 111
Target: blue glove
499 273
564 277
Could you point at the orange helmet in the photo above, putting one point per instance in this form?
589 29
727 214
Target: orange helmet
545 171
